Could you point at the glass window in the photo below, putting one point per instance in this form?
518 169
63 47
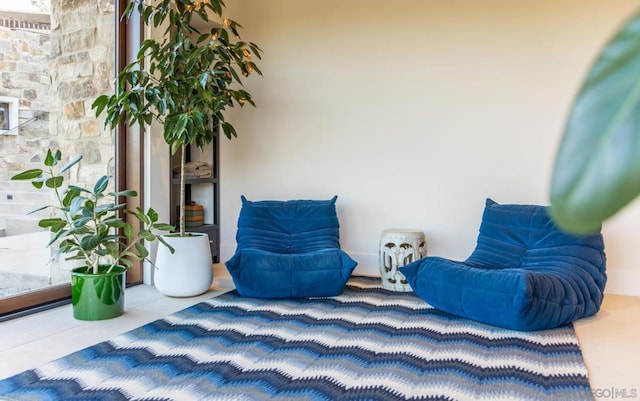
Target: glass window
56 57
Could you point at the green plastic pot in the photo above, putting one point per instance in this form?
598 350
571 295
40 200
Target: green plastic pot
97 296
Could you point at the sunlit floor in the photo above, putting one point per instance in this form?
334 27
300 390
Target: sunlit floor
610 341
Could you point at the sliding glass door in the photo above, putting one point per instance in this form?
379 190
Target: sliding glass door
57 57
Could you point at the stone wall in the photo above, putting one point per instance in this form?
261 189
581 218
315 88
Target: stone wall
57 75
82 68
24 74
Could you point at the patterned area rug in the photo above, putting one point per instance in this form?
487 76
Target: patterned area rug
366 344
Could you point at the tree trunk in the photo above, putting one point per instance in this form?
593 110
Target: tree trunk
183 159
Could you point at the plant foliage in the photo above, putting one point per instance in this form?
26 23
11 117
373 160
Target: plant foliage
186 79
88 224
597 167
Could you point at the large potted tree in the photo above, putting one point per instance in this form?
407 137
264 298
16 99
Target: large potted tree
88 226
185 80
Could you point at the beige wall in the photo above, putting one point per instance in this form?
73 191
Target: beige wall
413 112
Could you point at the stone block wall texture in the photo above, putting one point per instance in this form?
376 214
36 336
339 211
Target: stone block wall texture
24 74
57 75
82 68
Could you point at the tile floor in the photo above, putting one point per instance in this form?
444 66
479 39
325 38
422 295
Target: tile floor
610 341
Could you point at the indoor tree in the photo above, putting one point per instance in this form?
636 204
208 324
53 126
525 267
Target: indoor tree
186 79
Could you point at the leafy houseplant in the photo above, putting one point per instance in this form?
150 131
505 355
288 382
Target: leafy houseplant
597 167
85 227
185 80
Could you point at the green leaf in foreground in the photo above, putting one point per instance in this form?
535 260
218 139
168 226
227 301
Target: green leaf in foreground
28 174
597 167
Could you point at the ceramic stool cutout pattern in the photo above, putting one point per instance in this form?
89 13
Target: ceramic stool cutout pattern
399 247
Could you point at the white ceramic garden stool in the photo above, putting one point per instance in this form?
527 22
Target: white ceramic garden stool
188 271
399 247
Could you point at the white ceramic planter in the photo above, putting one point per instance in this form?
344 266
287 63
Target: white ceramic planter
188 271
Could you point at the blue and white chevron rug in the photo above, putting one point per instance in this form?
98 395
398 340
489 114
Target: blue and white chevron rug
366 344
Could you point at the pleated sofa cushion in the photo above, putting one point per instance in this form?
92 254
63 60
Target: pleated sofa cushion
289 249
524 274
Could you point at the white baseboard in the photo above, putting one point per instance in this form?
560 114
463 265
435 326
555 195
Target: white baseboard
367 262
620 281
623 281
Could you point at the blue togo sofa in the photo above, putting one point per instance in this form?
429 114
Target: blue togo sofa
524 274
289 249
